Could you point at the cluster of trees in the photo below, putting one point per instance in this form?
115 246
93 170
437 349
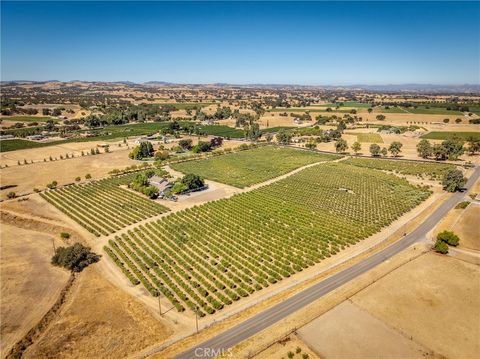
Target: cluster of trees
189 182
141 184
302 116
74 258
284 137
222 113
119 115
445 239
145 149
375 150
242 119
395 148
204 146
450 149
18 110
249 123
55 112
142 151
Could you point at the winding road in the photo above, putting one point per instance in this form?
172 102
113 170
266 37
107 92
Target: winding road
229 338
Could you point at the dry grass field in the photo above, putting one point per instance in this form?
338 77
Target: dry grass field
114 325
39 154
290 343
38 175
464 223
432 300
347 331
402 309
30 285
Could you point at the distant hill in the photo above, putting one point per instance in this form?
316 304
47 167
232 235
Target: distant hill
420 88
158 83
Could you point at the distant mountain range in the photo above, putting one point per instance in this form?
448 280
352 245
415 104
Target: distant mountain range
424 88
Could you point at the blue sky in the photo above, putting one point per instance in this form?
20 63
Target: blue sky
316 43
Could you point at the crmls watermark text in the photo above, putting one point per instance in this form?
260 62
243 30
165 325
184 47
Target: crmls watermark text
212 352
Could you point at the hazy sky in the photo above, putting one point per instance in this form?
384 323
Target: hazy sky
301 43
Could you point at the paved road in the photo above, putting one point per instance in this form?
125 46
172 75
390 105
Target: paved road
250 327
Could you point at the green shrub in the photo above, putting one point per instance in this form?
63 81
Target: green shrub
11 195
441 247
462 205
161 155
52 185
150 192
74 258
179 187
65 235
449 238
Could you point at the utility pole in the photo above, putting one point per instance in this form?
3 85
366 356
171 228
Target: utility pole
196 317
53 243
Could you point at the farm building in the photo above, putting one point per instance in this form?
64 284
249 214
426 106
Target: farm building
36 137
161 183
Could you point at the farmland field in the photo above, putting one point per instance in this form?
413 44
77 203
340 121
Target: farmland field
118 132
369 137
433 111
105 134
18 144
185 105
212 255
277 128
446 135
28 119
102 207
245 168
432 170
222 130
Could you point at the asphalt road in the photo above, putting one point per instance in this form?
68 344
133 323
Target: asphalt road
229 338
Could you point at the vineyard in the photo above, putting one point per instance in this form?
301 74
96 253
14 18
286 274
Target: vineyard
432 170
102 207
207 257
245 168
369 137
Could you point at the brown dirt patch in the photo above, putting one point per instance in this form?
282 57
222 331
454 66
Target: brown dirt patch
349 332
32 224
